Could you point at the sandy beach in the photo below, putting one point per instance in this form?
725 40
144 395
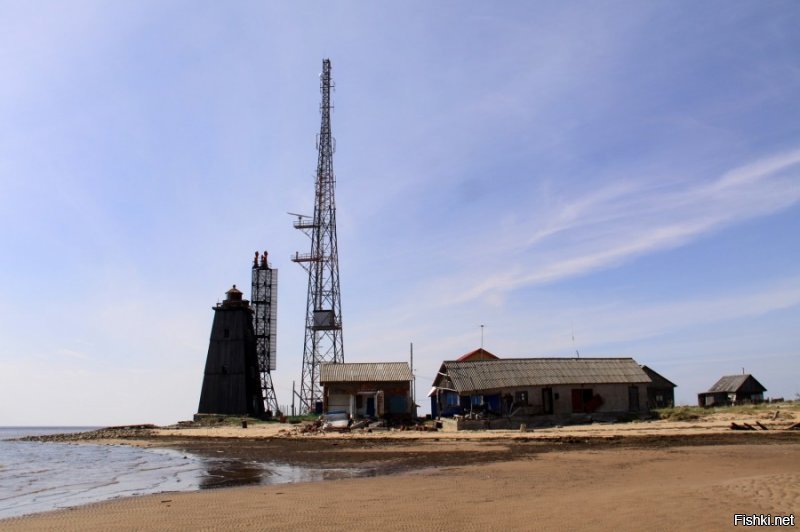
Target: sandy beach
656 489
653 476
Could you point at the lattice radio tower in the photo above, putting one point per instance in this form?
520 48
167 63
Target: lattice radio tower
323 334
264 302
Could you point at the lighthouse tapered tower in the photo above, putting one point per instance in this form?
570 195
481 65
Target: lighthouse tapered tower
230 381
323 327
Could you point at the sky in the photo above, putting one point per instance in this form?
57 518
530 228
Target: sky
610 178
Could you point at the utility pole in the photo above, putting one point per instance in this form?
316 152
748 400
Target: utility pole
413 383
323 329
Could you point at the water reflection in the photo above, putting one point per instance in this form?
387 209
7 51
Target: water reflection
224 473
227 472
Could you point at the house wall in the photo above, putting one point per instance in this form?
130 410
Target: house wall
710 399
660 397
445 403
750 397
615 399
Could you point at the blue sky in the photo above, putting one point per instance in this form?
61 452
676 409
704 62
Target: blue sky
627 172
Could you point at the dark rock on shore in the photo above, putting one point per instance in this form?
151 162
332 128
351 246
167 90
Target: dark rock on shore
108 433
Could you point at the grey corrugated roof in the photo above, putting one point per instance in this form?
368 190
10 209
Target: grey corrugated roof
365 372
732 384
511 373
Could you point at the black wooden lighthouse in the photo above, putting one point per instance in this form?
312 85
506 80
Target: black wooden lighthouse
231 384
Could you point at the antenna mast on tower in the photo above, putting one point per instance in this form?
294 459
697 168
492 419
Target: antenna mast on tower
323 334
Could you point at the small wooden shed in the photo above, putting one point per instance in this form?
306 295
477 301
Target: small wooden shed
733 389
367 389
661 391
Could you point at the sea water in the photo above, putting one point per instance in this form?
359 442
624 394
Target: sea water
39 476
42 476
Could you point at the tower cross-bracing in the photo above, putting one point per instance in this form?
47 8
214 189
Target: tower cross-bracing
323 330
264 302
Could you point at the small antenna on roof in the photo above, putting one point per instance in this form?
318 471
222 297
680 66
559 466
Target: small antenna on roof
481 335
572 325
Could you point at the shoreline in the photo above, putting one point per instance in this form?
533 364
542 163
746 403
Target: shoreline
392 452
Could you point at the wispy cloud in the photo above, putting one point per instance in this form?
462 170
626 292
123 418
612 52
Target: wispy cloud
627 321
757 171
614 225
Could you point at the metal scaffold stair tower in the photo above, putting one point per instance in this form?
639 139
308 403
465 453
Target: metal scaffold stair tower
264 302
323 332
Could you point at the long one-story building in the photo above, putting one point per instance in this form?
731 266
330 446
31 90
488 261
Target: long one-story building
558 387
368 389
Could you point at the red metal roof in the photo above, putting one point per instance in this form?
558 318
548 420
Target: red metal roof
478 354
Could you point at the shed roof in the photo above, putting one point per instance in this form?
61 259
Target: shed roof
736 383
364 372
510 373
658 379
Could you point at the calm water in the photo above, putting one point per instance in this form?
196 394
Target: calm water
37 477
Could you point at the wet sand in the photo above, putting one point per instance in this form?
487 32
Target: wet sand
654 475
624 487
411 451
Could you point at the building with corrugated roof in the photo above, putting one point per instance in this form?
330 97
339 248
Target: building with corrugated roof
733 389
368 389
540 387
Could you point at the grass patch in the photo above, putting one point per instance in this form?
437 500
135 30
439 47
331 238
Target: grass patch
682 413
693 413
792 406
